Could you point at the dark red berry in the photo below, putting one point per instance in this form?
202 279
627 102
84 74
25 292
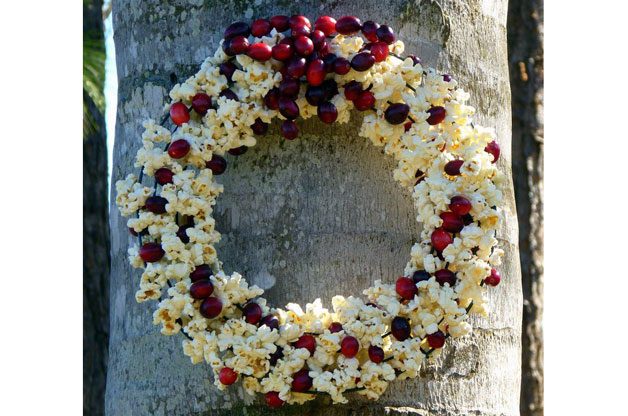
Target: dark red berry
281 23
353 90
342 66
441 239
406 288
296 67
349 346
303 45
365 101
273 400
327 112
260 27
329 60
289 130
348 25
315 95
306 341
301 381
300 31
237 29
445 276
151 252
227 69
288 108
201 102
163 176
460 205
379 51
362 61
318 38
493 279
270 321
493 148
227 376
229 95
324 49
178 148
282 52
201 272
325 24
259 127
316 72
156 204
436 340
437 115
238 151
452 222
376 354
400 328
299 21
452 167
420 276
201 289
260 51
271 99
447 78
182 234
211 307
238 45
369 30
217 164
252 313
179 113
335 327
330 88
385 34
397 113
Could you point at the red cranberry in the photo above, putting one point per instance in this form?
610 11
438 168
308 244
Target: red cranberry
163 176
179 113
252 313
282 52
238 151
273 400
217 164
182 234
275 356
260 27
301 381
327 112
325 24
151 252
369 30
365 101
385 34
316 72
201 272
201 102
281 23
178 148
452 222
227 376
335 327
288 108
306 341
400 328
238 45
352 90
315 95
342 66
436 340
260 52
201 289
296 67
300 31
349 346
270 321
441 239
362 61
259 127
460 205
376 354
329 60
303 45
406 288
452 168
227 69
318 38
237 29
493 148
289 130
299 21
325 49
348 25
156 204
397 113
271 99
437 115
493 279
229 95
211 307
379 51
445 276
420 276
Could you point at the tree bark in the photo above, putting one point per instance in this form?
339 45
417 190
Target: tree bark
311 218
525 44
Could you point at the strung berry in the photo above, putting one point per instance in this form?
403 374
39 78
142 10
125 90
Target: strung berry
420 276
297 21
306 341
441 239
315 95
318 38
436 340
327 112
260 52
365 101
353 90
301 381
238 45
271 99
300 31
178 148
237 29
201 102
238 151
156 204
275 356
400 328
296 67
229 95
201 272
452 222
447 78
452 167
289 130
273 400
330 87
227 376
151 252
369 30
349 346
437 115
335 327
211 307
376 354
259 127
325 24
493 279
493 148
405 288
227 69
397 113
260 27
282 52
379 51
252 313
270 321
163 176
460 205
179 113
217 164
445 276
329 60
362 61
303 45
288 108
280 23
316 72
415 59
385 34
342 66
408 125
182 234
201 289
348 25
325 49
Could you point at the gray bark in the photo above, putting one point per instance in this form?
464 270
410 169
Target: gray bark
311 218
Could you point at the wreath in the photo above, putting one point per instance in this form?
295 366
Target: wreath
285 68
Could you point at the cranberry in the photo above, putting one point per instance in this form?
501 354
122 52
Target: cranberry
289 130
300 31
348 25
227 69
385 34
315 95
365 101
447 78
273 400
306 341
237 29
325 24
301 381
342 66
452 222
252 313
400 328
335 327
163 176
270 321
441 239
271 99
275 355
201 102
330 87
156 204
397 113
352 90
259 127
369 30
460 205
229 95
296 67
452 167
211 307
282 52
179 113
445 276
303 45
151 252
362 61
316 72
288 108
437 115
260 27
327 112
406 288
379 51
260 52
324 49
415 60
318 38
238 151
493 279
281 23
436 340
178 148
376 354
420 276
201 289
182 234
227 376
201 272
238 45
493 148
349 346
299 21
329 60
217 164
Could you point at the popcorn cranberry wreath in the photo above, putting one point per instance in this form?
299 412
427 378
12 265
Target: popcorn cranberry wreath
291 69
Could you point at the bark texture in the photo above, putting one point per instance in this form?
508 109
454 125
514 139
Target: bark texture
525 44
311 218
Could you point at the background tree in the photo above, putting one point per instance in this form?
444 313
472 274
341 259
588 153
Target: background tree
315 217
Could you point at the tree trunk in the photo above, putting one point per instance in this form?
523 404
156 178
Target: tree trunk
311 218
